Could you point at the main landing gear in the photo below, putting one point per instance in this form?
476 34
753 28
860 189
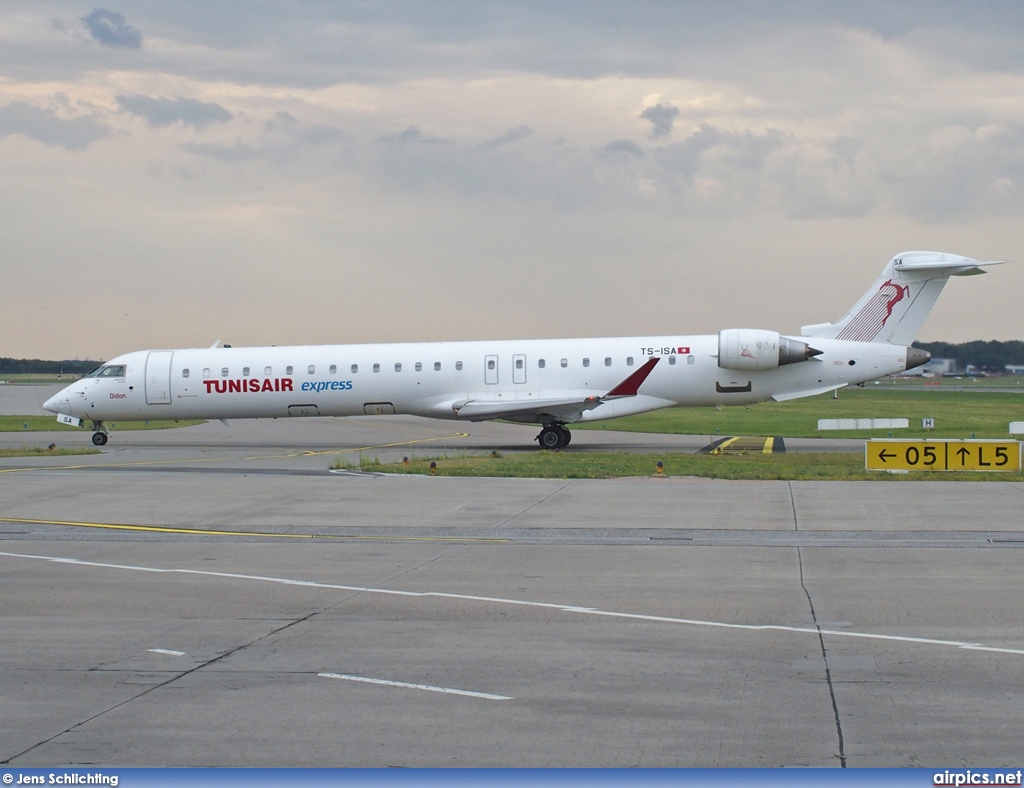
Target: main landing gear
99 438
554 436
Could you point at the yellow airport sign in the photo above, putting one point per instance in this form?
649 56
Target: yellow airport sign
942 455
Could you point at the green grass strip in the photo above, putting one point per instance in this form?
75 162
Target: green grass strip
957 414
50 424
35 451
802 466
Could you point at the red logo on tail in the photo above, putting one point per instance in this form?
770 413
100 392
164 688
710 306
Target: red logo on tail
896 294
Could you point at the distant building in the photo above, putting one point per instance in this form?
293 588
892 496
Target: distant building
1014 369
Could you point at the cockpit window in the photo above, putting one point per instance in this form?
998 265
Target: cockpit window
114 371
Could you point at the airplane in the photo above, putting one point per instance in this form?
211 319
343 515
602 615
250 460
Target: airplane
549 382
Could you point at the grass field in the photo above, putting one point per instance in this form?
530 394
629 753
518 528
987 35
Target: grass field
839 466
957 414
36 451
37 379
50 424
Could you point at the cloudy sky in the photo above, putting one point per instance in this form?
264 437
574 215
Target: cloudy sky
175 173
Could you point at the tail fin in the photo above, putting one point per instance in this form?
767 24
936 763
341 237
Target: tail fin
895 307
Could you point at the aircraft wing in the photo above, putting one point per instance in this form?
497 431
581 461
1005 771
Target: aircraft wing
566 409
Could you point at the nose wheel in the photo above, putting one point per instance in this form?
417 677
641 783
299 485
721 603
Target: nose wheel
99 438
554 436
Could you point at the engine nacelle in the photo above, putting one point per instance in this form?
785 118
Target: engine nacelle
757 349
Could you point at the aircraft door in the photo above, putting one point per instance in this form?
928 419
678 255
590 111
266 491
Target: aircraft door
491 370
519 368
158 377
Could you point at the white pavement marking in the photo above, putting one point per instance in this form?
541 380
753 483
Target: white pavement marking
166 651
526 603
427 687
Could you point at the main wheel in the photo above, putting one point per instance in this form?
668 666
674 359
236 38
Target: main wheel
550 438
566 435
99 438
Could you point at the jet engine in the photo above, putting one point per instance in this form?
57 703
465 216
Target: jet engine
757 349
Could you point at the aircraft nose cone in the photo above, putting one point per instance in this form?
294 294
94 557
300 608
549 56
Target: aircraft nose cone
53 403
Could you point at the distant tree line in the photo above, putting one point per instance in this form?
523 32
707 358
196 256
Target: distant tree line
986 356
35 366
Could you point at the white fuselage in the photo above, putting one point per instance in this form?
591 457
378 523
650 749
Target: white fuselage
439 379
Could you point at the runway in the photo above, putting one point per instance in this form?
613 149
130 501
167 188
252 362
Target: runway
214 596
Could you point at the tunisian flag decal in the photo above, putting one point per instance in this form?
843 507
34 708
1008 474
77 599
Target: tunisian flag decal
684 351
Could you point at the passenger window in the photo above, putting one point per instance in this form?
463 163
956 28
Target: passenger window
245 372
312 370
398 367
672 360
458 366
490 363
565 363
334 369
376 367
268 371
288 370
519 363
224 372
437 366
419 366
586 362
629 361
184 373
690 359
607 361
206 372
355 368
540 363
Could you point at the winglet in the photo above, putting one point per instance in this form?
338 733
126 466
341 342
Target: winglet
629 386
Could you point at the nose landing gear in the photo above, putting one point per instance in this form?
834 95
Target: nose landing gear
554 436
99 438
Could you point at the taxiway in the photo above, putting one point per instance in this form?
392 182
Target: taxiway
215 596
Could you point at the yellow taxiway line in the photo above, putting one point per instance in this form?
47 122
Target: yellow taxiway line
162 529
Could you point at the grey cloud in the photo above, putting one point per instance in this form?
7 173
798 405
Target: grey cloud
316 44
960 173
286 126
412 134
282 121
162 111
237 151
661 119
845 150
111 29
745 150
44 125
684 157
623 149
510 136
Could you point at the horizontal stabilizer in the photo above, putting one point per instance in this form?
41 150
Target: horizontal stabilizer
941 264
